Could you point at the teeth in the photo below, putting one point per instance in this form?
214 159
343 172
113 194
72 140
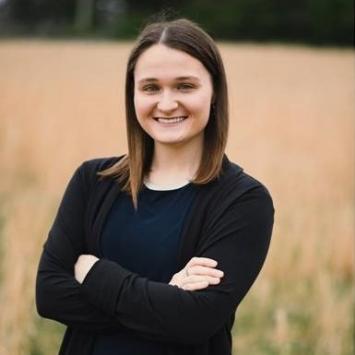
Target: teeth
171 120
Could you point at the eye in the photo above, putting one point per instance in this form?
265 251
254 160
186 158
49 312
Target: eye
150 88
185 86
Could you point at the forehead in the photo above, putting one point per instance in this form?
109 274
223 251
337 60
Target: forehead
162 62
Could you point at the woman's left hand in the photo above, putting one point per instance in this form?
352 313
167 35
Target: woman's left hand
83 266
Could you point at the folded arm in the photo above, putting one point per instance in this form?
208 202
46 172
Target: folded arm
58 295
238 241
112 297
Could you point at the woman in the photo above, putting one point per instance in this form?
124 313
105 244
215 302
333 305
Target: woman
130 261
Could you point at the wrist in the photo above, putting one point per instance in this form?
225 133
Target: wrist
83 265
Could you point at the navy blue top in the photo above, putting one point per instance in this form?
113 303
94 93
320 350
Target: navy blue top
146 242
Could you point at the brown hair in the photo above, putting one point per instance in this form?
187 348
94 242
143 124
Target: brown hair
184 35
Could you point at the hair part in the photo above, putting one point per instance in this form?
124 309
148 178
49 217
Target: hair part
184 35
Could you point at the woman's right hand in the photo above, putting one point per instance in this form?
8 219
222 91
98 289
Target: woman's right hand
198 274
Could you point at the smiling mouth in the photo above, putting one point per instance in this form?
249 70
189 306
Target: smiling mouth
171 120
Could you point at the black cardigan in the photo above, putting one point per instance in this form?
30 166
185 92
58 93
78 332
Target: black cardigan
231 221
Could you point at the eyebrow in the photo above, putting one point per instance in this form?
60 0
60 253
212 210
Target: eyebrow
180 78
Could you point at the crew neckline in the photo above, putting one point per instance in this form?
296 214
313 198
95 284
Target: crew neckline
154 187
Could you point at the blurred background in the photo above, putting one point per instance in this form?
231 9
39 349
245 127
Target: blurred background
322 22
291 77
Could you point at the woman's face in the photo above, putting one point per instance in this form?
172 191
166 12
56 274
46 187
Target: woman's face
172 95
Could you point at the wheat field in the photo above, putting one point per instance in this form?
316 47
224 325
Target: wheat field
292 127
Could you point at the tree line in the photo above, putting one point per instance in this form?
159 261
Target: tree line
323 22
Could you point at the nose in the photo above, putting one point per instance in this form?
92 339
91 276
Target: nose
167 102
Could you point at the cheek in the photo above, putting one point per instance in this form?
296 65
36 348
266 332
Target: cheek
200 105
142 105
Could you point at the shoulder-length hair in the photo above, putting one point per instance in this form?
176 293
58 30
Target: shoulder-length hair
184 35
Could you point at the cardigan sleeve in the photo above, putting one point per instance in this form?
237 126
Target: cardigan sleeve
238 240
58 295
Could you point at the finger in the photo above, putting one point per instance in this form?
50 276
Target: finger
203 270
195 286
202 261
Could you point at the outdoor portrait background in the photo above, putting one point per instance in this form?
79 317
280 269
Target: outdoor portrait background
291 78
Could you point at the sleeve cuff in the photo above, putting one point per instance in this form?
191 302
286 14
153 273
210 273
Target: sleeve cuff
103 283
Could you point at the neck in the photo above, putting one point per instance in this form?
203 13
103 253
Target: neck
174 163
